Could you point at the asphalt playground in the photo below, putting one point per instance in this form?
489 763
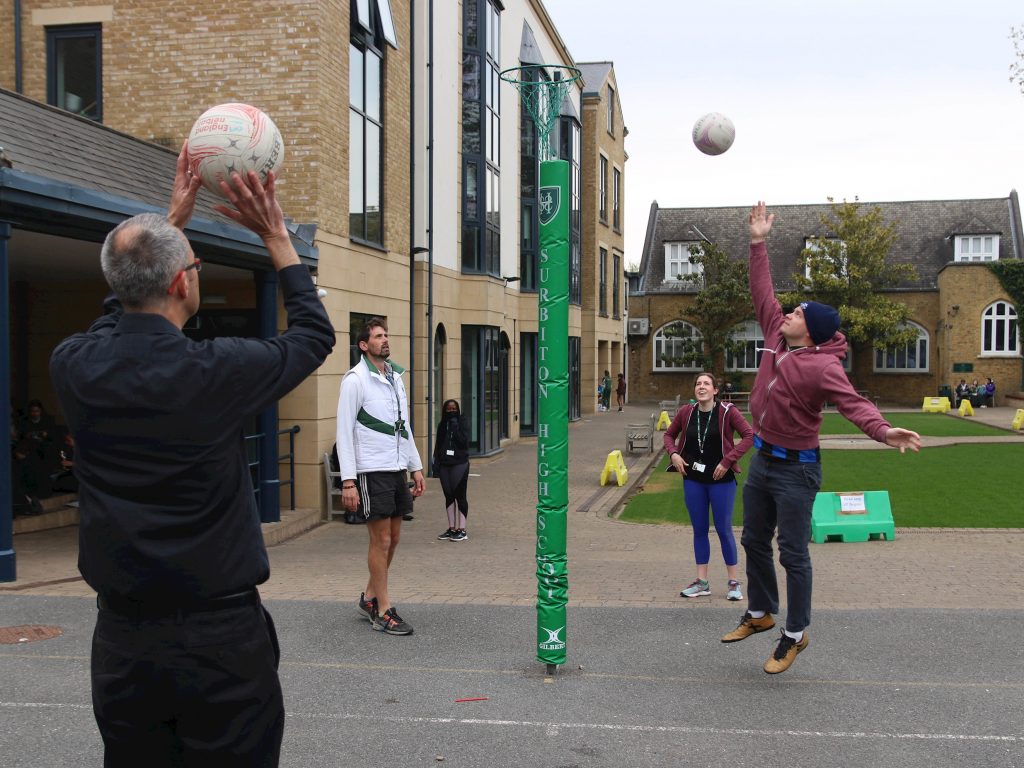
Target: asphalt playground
915 654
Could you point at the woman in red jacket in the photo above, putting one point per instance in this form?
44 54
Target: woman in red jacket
700 446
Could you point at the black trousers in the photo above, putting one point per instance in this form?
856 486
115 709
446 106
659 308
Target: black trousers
190 689
454 483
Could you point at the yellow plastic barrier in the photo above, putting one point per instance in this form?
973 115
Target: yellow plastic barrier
935 405
664 422
614 465
1018 420
966 409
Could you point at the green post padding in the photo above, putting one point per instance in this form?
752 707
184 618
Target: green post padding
852 516
553 412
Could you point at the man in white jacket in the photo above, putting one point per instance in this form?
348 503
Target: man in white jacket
375 450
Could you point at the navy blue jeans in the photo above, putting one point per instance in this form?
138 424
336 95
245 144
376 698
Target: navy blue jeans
779 495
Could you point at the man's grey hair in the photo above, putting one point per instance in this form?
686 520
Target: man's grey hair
140 258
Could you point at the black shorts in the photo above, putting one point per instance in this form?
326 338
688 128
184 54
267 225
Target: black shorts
383 495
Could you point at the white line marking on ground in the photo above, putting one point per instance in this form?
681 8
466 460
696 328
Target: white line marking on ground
552 729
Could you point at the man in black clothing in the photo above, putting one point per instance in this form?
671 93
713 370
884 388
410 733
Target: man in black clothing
184 657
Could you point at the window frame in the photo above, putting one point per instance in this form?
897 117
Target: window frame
58 33
749 333
602 281
886 359
602 190
657 349
616 198
365 44
683 257
984 256
1000 317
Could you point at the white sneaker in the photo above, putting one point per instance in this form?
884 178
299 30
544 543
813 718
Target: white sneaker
734 592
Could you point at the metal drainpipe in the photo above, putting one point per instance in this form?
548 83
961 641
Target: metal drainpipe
430 228
412 215
17 46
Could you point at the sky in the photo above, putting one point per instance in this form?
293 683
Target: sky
880 101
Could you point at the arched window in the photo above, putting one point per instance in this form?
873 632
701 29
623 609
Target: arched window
999 330
911 358
677 347
748 339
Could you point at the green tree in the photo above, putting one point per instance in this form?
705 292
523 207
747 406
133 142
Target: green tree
849 268
722 303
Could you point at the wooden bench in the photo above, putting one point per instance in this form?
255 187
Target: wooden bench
739 399
641 435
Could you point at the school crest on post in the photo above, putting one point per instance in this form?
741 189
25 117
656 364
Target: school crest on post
549 201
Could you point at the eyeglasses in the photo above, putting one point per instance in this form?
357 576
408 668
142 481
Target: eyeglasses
196 264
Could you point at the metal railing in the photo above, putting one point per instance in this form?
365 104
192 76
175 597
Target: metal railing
252 452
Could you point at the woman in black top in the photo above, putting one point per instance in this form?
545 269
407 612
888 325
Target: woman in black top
451 463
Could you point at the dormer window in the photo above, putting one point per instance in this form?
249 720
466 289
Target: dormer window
976 247
813 244
678 262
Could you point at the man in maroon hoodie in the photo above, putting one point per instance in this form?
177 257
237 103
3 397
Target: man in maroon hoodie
801 369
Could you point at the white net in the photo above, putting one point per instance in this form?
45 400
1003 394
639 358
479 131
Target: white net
542 94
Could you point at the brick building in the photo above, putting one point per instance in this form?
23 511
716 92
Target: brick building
967 325
404 175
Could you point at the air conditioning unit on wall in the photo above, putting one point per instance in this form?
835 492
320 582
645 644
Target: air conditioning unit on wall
638 326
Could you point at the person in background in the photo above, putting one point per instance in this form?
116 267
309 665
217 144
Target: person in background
606 391
701 447
376 449
990 393
451 459
963 392
620 391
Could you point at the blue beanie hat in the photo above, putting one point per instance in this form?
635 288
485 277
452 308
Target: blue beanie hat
822 321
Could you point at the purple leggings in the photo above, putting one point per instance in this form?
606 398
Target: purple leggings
719 497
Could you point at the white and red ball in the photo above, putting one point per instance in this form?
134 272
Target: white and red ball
714 133
233 138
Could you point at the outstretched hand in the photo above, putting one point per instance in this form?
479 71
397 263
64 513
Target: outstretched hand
255 204
183 193
256 208
760 222
903 439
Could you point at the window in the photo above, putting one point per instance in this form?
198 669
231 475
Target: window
602 190
616 196
528 389
999 334
976 248
73 73
481 137
481 386
912 358
746 355
677 262
574 377
366 129
569 150
602 276
812 244
529 222
611 110
677 347
376 20
616 285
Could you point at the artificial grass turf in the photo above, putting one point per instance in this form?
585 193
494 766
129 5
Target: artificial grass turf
959 486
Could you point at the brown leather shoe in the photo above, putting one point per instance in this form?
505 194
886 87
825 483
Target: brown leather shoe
749 626
785 653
